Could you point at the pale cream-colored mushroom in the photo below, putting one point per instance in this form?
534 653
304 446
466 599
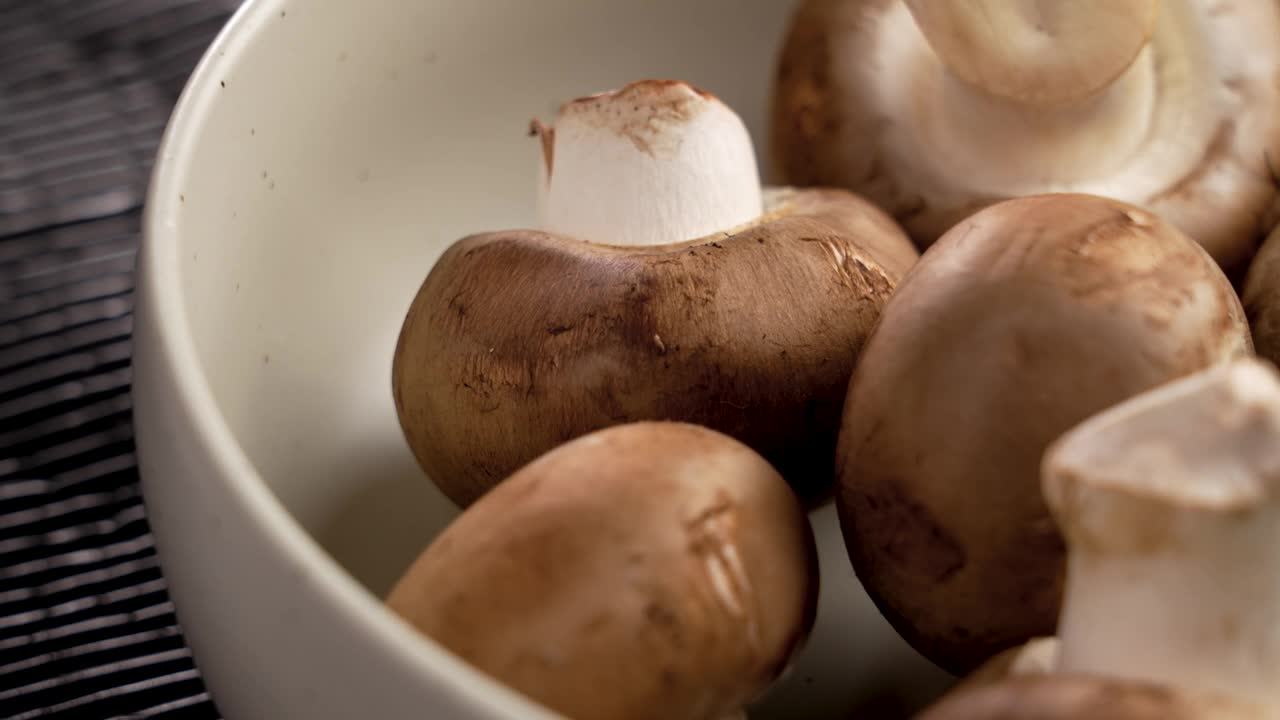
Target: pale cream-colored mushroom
934 109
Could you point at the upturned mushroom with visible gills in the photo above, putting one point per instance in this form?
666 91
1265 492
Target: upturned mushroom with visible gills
1261 295
1170 505
934 109
1022 321
652 570
661 285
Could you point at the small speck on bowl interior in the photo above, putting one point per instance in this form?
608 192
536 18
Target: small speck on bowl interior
321 159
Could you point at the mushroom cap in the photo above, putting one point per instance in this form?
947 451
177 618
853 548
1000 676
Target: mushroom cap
863 102
1021 322
1262 298
654 570
520 340
1067 697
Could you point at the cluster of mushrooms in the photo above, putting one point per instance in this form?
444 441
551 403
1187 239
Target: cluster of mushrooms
1009 306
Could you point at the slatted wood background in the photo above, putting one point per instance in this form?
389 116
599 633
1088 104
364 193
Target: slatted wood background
86 626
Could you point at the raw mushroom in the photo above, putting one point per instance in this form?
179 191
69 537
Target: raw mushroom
655 290
1262 298
653 570
936 109
1170 505
886 706
1019 323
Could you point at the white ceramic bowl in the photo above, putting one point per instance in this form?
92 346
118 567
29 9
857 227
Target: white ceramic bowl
325 152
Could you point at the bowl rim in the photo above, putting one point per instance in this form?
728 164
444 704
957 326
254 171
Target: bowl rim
158 278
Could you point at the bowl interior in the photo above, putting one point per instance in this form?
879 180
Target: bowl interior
348 147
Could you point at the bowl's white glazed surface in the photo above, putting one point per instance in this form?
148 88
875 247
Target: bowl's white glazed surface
323 156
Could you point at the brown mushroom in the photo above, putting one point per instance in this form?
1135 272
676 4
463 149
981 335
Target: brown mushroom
1262 298
935 109
660 287
653 570
1022 321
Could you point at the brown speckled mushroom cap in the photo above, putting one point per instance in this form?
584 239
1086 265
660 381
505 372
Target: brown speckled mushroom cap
1034 657
1021 322
1170 504
1261 297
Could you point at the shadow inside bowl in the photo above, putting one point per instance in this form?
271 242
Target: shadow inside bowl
378 528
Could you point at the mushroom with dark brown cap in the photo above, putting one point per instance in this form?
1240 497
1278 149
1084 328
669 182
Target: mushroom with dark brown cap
1022 321
652 570
1170 505
661 285
935 109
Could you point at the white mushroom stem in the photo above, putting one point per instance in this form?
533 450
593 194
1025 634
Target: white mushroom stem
966 101
655 162
1170 504
1033 51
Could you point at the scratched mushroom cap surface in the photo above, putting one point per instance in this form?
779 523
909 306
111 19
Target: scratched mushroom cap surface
869 96
658 285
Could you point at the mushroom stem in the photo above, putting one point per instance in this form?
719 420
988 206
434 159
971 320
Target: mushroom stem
1171 506
1125 137
1037 52
653 161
